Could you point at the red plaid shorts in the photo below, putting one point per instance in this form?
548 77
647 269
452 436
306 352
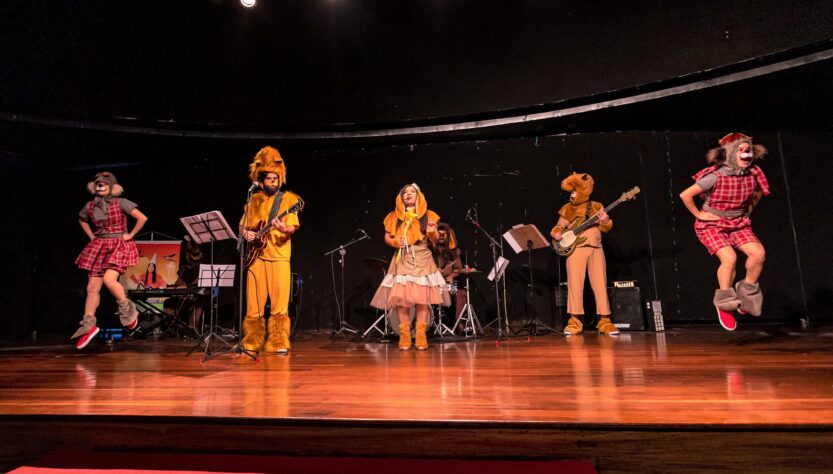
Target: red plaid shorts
725 233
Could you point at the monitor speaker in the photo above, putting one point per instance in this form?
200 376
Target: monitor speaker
626 306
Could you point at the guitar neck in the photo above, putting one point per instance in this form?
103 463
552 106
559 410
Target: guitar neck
268 225
593 220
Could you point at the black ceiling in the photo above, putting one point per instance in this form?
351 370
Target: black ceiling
316 64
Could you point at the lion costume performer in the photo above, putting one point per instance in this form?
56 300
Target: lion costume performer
269 275
731 187
412 278
588 257
110 251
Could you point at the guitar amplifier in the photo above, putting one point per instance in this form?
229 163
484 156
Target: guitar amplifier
626 306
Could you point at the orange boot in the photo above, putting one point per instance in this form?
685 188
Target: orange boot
254 331
421 339
574 327
605 326
284 326
404 336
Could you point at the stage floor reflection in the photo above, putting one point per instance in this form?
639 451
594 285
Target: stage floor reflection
691 376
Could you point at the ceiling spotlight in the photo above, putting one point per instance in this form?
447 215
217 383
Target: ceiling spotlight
248 3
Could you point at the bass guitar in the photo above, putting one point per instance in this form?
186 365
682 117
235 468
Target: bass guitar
257 245
571 237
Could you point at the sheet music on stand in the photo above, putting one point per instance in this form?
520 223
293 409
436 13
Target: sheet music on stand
520 235
527 237
208 227
211 276
502 263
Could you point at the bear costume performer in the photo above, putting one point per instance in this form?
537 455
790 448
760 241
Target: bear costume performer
588 257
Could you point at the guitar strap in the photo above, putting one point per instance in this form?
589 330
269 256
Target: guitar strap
276 204
588 211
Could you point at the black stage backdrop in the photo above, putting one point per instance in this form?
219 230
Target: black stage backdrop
510 181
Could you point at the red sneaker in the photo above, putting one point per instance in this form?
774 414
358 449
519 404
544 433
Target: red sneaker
133 325
727 320
86 338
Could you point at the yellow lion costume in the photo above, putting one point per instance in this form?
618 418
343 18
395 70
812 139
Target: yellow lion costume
269 275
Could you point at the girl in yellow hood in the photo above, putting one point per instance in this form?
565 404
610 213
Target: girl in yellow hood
412 278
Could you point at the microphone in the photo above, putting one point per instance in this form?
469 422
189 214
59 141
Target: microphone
253 187
364 234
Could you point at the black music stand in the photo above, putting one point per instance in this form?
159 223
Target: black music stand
527 237
210 227
499 265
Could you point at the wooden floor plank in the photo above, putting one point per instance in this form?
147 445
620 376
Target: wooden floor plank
687 377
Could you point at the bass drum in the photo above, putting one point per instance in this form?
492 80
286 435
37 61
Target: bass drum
393 319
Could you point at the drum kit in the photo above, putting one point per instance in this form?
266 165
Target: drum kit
465 321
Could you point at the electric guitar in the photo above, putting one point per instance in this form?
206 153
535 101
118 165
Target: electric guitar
257 245
571 237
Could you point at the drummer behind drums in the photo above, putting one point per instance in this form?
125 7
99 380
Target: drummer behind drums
447 256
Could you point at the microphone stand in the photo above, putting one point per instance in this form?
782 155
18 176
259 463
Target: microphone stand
494 244
243 250
343 327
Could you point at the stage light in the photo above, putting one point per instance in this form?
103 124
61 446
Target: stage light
248 3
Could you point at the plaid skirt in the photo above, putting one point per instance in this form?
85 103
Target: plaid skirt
104 254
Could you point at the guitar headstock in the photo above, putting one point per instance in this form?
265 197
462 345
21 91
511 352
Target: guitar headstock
630 194
297 207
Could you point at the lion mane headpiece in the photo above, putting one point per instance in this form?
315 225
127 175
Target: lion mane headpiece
106 177
726 153
268 160
581 183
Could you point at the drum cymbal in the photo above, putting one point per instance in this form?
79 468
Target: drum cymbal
467 272
377 263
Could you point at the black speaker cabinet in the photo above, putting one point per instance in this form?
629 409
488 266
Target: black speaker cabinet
626 306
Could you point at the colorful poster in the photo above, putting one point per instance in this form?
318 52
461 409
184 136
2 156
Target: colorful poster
158 265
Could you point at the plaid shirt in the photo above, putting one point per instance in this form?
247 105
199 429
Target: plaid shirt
730 193
734 192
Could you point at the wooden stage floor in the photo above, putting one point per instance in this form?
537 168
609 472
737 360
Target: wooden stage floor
688 383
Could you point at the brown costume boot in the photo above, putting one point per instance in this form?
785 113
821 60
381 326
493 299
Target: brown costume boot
128 314
726 300
750 296
404 336
253 331
86 332
421 339
605 326
574 327
85 325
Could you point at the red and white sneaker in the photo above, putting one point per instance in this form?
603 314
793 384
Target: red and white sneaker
727 320
132 325
87 338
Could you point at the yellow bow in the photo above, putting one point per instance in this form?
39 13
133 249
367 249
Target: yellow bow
410 217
